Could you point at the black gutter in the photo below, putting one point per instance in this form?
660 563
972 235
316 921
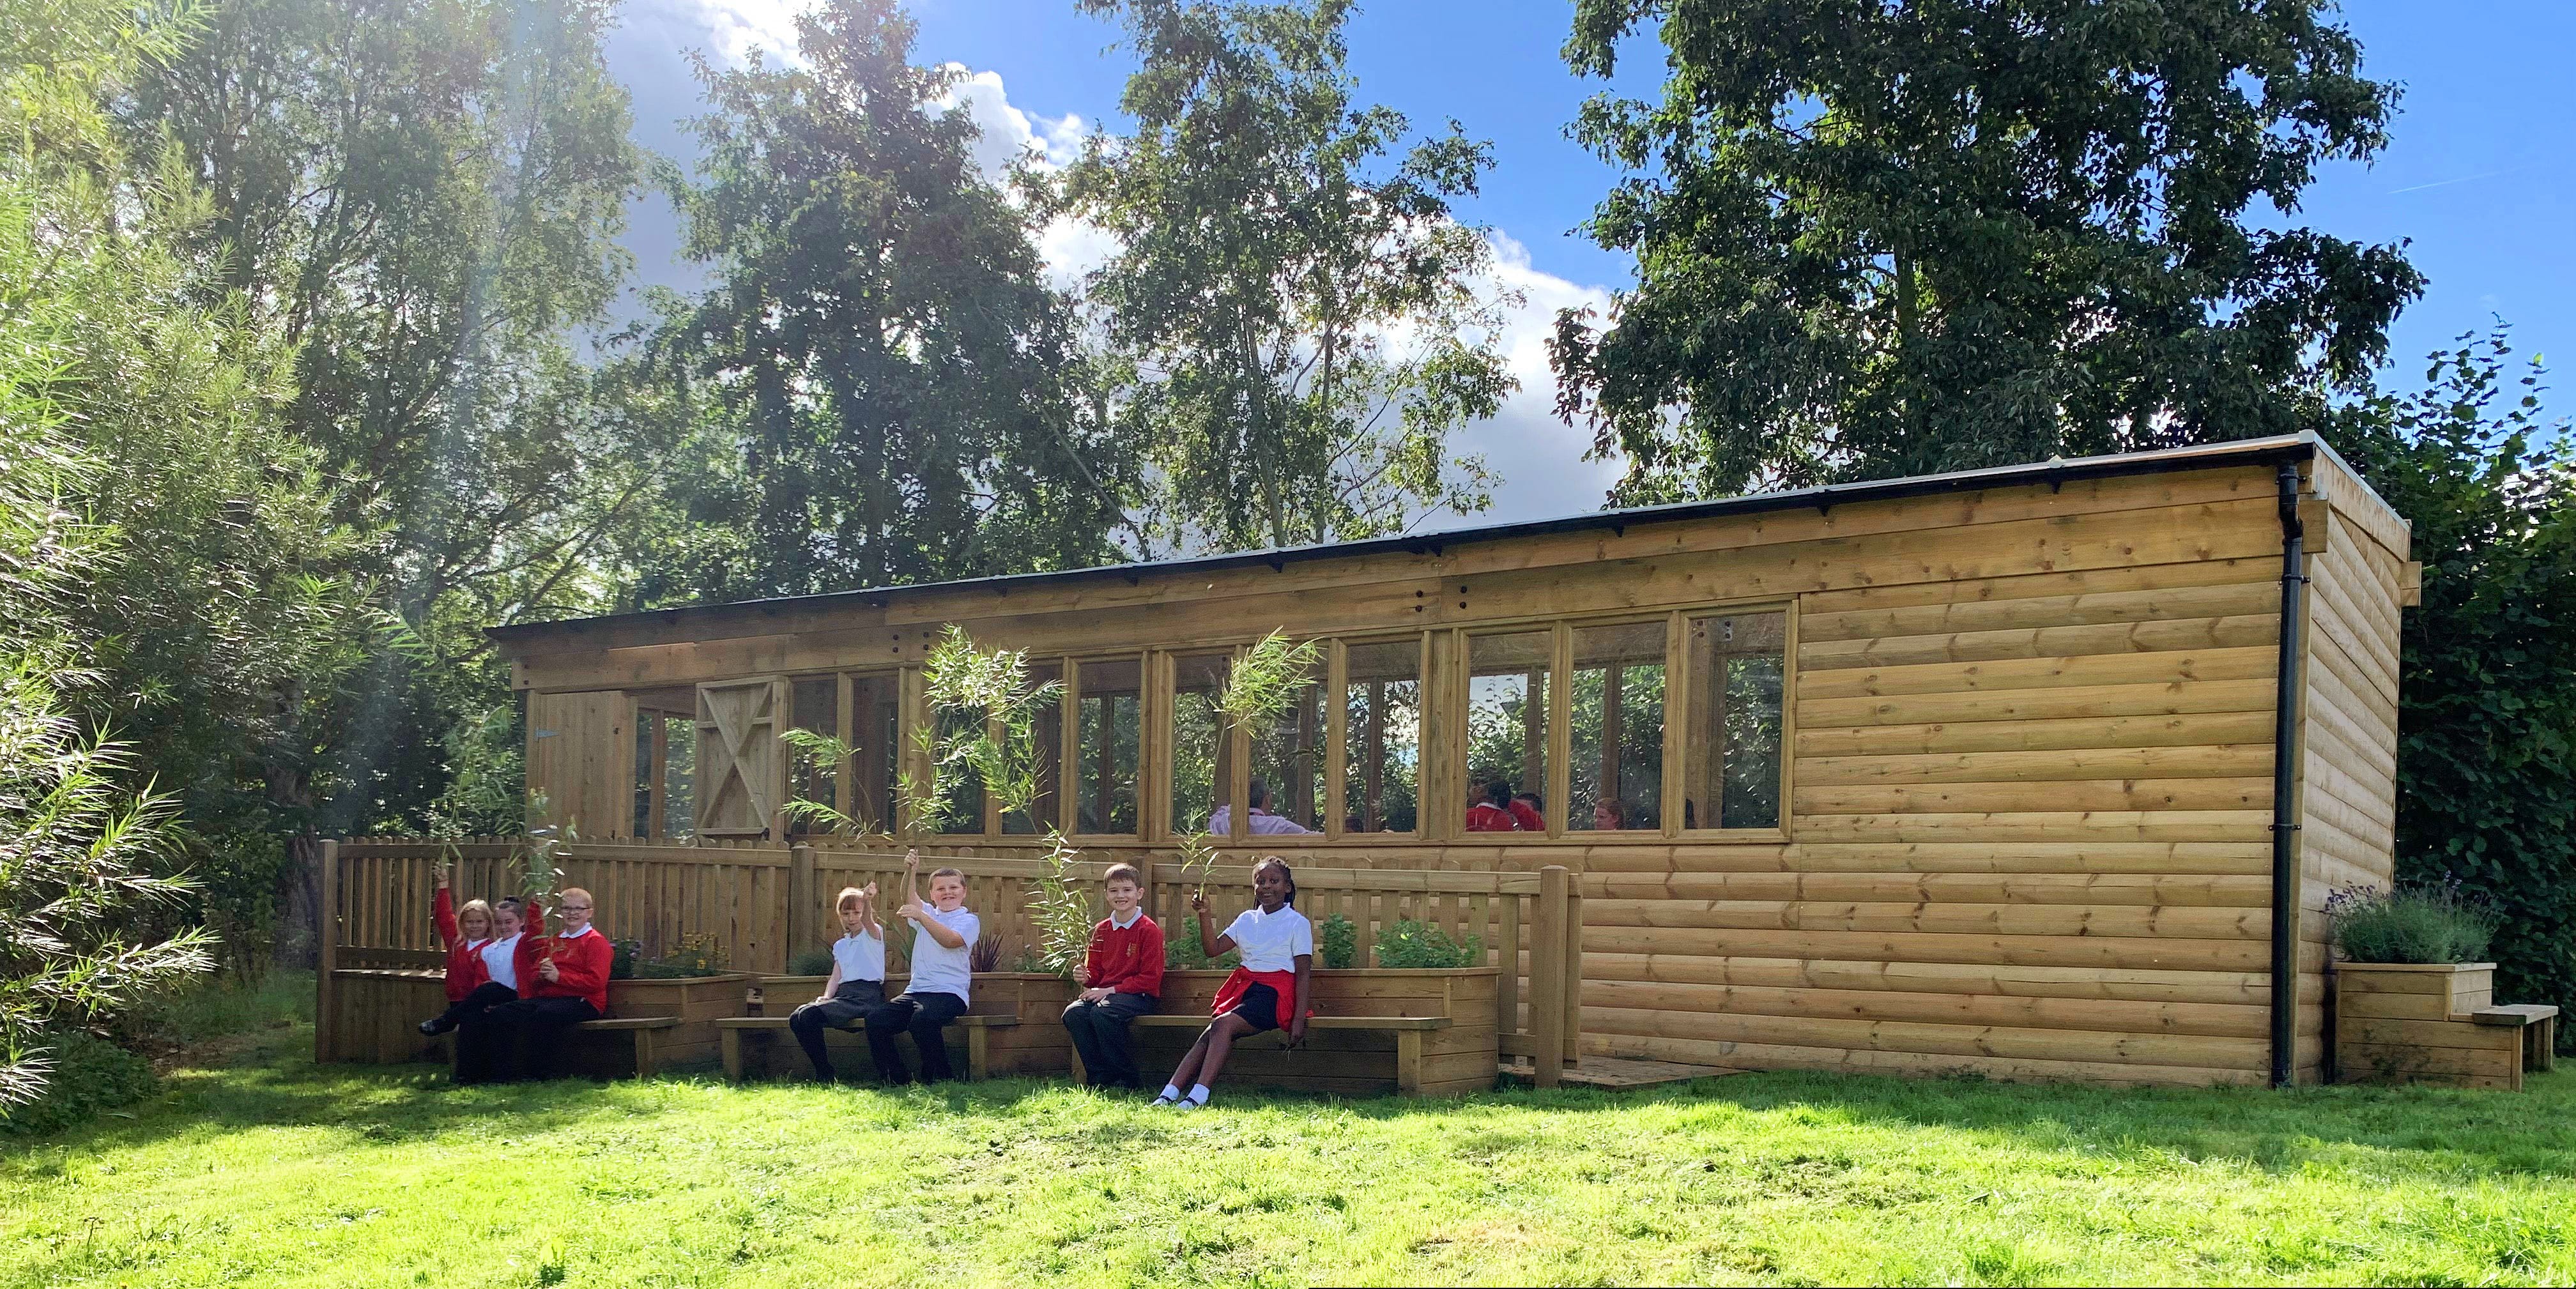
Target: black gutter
2299 447
2285 761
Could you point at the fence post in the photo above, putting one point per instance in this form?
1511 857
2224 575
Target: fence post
326 930
1507 955
801 926
1573 986
1547 978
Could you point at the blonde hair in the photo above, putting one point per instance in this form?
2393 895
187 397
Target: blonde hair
958 873
849 895
571 891
477 908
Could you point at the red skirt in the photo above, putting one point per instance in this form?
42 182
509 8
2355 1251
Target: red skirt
1282 983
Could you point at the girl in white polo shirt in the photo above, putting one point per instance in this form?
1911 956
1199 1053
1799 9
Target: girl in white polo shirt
1271 990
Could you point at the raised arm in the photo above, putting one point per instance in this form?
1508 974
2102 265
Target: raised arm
442 910
1211 944
868 911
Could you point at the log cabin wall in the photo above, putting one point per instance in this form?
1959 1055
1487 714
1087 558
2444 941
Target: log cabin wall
2025 778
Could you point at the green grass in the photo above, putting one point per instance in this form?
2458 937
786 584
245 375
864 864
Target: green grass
270 1171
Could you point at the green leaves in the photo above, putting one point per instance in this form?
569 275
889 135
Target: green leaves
1294 319
1905 238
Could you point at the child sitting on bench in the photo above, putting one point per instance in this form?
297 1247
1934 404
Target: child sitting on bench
943 946
462 933
491 974
563 981
1122 977
1271 990
857 986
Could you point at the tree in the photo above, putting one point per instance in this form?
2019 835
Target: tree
421 199
2486 753
876 369
1886 239
90 917
1300 322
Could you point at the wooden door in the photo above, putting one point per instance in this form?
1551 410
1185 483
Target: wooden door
742 761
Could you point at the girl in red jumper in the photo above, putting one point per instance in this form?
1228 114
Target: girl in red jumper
1271 990
563 981
463 933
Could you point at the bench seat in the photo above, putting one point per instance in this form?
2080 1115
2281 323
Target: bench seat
643 1031
976 1026
1408 1031
2539 1025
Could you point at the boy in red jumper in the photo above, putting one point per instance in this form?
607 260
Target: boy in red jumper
1122 977
563 981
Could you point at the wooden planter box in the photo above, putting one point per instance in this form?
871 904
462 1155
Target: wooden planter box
1037 1045
2402 1023
1459 1058
699 1001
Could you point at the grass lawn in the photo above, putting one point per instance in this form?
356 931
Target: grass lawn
259 1168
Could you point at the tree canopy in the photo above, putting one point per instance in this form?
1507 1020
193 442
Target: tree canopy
1885 239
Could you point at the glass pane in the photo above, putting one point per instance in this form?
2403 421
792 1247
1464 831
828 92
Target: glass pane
1732 769
876 756
679 777
1616 780
1201 753
961 788
1507 730
1046 726
814 703
644 770
1382 735
1287 788
1107 731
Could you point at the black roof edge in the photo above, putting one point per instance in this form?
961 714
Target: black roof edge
2302 446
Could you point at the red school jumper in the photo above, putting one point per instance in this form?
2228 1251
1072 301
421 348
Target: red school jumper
1128 961
582 962
464 962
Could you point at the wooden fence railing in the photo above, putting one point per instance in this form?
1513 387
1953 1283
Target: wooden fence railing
762 907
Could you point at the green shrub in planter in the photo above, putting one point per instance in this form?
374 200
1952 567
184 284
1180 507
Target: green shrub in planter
1338 941
1181 950
812 962
696 956
1413 944
2424 925
90 1076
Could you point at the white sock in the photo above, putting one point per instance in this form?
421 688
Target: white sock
1198 1094
1171 1092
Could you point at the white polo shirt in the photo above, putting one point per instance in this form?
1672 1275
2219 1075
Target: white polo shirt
501 961
1271 941
860 957
937 968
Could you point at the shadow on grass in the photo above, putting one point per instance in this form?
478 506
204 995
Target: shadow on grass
2422 1131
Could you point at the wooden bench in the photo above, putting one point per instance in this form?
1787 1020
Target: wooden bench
1408 1031
2539 1025
977 1028
642 1031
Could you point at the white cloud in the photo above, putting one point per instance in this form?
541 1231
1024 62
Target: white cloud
1009 132
735 27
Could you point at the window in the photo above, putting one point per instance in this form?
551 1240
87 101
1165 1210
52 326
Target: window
1288 762
1731 760
1202 754
666 749
1108 722
1381 736
1507 699
1046 727
876 756
814 704
1615 761
960 787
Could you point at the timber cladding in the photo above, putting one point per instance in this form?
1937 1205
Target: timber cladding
2025 750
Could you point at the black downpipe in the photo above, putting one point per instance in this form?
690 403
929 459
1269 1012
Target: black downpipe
2285 760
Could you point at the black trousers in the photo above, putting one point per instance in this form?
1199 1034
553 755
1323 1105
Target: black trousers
487 995
847 1008
517 1040
1100 1034
925 1016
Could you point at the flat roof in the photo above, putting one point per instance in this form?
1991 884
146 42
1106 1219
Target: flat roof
2302 446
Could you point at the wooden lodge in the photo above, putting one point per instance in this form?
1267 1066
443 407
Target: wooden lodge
1974 772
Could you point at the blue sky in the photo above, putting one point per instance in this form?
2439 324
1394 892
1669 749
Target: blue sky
2480 176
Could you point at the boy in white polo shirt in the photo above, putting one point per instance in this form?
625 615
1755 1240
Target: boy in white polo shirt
857 986
942 972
